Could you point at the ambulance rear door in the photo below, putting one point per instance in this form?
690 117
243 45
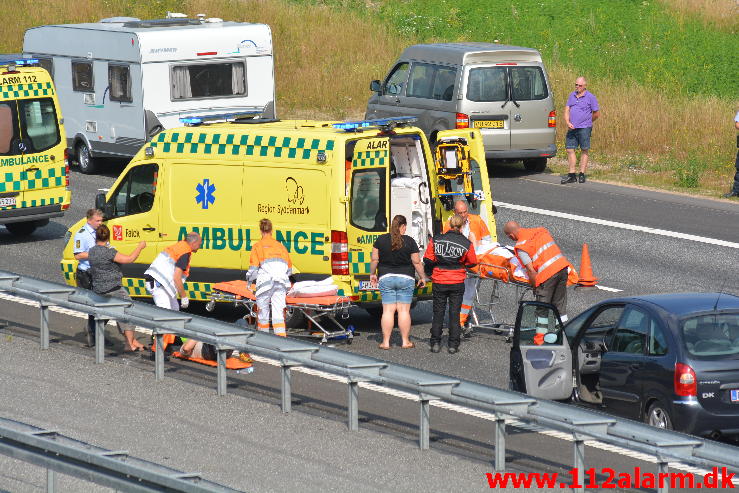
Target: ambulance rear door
482 204
368 212
206 197
296 199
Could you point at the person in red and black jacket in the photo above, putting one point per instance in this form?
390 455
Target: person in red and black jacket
448 254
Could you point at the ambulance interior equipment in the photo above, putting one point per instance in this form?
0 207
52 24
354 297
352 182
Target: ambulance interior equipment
454 171
320 311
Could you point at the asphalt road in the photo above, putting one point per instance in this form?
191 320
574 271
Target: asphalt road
628 260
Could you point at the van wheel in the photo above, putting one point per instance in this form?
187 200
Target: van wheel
84 159
658 416
22 229
535 165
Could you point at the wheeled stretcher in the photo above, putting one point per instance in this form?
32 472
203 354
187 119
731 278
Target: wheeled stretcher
320 311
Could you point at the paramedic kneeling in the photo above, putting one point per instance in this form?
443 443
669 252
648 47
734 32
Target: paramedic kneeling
270 267
448 254
165 277
546 266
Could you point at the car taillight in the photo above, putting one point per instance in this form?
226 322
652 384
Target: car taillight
66 168
463 121
685 382
552 119
339 253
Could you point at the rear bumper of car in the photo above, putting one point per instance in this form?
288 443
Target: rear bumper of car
27 214
691 417
547 152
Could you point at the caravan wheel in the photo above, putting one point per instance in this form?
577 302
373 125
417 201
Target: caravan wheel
84 159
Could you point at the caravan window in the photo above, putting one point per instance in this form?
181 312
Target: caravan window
48 65
208 80
82 79
119 83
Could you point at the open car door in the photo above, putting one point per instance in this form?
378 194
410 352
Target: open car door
541 360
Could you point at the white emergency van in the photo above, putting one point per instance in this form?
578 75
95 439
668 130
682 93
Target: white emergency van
122 80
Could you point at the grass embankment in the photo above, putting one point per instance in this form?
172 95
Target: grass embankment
664 71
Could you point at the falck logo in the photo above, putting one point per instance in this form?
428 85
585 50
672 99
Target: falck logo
205 196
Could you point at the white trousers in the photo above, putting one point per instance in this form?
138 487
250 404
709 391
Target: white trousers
467 298
272 301
163 299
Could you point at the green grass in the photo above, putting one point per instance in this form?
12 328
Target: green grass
621 40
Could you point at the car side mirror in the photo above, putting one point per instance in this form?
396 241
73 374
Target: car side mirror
375 86
101 204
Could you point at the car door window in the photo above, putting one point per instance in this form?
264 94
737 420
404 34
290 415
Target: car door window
604 323
395 82
656 342
631 334
135 194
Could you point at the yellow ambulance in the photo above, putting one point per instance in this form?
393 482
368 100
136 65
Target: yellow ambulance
330 189
34 171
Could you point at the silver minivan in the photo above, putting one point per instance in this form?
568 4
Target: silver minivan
502 90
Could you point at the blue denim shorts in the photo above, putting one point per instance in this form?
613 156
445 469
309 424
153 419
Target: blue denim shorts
395 289
578 137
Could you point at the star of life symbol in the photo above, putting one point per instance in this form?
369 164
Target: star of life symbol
205 195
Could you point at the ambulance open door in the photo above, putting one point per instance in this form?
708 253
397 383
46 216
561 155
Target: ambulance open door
369 209
461 170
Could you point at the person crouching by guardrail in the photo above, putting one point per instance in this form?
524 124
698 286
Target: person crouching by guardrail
449 255
105 269
270 268
84 239
165 277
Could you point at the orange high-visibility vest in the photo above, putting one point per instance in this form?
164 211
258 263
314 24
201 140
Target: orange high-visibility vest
268 248
177 250
546 257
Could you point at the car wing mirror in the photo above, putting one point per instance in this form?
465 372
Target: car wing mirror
101 204
375 86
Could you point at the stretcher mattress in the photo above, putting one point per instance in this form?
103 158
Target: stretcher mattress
231 363
241 289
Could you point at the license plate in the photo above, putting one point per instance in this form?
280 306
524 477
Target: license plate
7 201
488 124
735 396
365 286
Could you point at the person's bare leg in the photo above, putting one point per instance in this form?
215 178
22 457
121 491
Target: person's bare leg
583 161
133 344
187 347
404 323
572 160
387 322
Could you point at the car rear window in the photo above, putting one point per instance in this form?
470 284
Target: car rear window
716 334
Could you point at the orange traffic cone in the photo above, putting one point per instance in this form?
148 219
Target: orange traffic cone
587 279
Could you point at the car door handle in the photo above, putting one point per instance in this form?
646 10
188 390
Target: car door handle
34 169
397 100
635 366
149 229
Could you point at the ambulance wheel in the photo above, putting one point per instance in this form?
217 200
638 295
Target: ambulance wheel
84 159
22 229
536 165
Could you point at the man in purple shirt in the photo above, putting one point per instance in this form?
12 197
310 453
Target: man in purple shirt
581 111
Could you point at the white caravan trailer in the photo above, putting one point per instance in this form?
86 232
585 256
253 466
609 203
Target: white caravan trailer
121 80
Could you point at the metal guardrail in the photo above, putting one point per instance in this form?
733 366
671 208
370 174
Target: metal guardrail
114 469
580 423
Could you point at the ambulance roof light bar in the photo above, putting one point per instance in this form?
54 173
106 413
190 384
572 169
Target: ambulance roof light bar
191 121
13 63
384 123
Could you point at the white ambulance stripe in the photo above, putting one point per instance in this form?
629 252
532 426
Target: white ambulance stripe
615 224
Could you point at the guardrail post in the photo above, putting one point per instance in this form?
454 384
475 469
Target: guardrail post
663 485
51 482
286 387
222 383
500 437
353 407
159 356
44 325
99 340
424 424
578 446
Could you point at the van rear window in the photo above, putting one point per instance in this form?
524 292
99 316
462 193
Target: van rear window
208 80
528 83
27 126
487 84
8 128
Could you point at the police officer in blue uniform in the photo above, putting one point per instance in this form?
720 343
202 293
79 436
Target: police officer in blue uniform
84 239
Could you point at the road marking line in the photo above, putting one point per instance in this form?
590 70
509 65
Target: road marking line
606 288
413 397
614 224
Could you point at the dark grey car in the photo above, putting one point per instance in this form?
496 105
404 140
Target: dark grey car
670 360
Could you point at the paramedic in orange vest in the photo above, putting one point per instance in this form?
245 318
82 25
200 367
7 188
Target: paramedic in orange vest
476 231
270 268
546 266
165 277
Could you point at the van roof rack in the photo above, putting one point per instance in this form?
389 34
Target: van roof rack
195 120
386 124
